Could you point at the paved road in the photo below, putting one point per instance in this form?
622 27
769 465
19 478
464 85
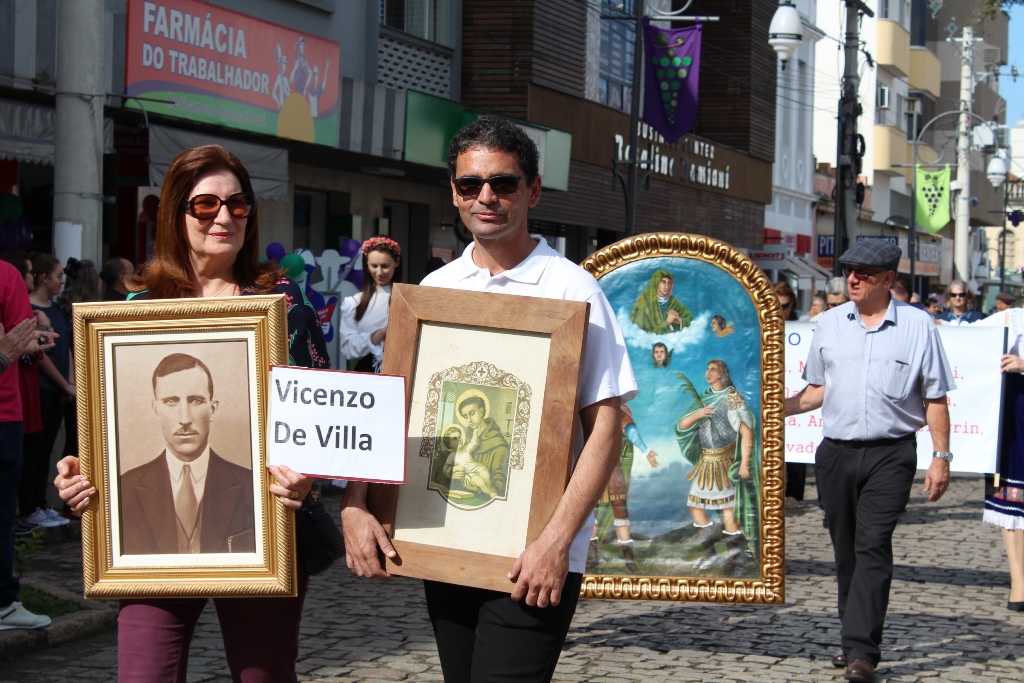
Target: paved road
947 620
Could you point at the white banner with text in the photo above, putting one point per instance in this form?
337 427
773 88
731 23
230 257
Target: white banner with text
974 406
337 425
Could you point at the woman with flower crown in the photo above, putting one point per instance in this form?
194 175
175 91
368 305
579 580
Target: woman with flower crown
364 316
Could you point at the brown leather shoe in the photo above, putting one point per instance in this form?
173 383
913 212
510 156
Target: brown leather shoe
839 660
860 671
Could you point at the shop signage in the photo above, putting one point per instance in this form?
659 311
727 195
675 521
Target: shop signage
892 239
690 160
205 63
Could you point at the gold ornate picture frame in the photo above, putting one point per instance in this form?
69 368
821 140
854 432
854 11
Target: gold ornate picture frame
164 384
694 511
492 391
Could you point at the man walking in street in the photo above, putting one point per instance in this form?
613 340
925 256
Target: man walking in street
487 635
878 371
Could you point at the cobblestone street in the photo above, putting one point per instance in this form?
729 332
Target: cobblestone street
947 619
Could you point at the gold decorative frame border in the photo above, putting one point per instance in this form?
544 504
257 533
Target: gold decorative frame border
266 317
770 588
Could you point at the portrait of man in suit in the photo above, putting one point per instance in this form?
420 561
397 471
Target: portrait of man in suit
187 499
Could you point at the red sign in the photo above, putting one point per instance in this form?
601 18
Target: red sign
206 63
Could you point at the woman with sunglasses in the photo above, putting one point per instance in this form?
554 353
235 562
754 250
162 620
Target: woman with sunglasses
958 300
207 245
364 316
787 300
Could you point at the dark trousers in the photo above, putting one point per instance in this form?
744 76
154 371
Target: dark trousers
796 480
261 637
486 637
36 472
10 472
865 491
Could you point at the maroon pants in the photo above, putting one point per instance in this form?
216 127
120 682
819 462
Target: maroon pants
261 637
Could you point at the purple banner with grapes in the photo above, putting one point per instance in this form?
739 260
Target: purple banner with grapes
670 87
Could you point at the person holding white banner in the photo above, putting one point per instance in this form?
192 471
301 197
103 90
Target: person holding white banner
1004 497
878 371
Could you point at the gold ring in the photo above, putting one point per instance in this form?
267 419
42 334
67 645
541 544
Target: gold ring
294 495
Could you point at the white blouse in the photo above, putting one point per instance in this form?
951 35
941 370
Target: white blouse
354 337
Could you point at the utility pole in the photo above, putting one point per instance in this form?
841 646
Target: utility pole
961 258
633 155
78 154
848 158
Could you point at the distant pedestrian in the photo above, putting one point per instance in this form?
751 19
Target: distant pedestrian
114 275
934 305
877 369
819 304
364 315
900 289
19 335
959 301
1005 300
835 292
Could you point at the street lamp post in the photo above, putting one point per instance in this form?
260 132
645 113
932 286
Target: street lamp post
996 173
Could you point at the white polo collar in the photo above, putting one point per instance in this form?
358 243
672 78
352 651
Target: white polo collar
528 271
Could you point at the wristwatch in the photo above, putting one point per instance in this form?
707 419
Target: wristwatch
944 455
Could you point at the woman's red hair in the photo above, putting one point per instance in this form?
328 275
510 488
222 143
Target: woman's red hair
169 273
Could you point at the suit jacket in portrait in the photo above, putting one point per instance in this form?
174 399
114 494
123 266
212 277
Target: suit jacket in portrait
149 523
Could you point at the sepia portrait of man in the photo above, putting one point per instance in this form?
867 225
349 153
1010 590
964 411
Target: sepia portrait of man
187 499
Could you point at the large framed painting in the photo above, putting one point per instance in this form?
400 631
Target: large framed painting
172 410
694 507
492 399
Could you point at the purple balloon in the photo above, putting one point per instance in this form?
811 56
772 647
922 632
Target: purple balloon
24 234
350 247
356 278
275 251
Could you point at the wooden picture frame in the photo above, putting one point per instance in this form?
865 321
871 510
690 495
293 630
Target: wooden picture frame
727 314
142 397
492 397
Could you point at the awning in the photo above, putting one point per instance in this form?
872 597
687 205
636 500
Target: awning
28 132
802 267
267 166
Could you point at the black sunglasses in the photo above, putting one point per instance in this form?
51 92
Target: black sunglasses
207 206
860 272
469 187
957 295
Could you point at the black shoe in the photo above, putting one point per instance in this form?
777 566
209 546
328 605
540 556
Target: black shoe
1015 606
860 671
839 660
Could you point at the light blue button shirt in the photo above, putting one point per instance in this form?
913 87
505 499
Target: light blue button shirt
876 380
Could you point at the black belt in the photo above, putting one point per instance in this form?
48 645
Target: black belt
873 443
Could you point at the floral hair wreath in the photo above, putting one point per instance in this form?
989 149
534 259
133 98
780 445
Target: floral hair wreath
385 243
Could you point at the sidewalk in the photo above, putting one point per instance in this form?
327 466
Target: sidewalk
947 619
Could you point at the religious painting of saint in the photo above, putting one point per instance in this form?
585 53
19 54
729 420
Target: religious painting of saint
474 434
698 483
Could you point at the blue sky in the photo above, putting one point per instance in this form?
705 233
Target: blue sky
1014 92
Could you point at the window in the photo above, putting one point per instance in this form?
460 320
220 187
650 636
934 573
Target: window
427 19
616 66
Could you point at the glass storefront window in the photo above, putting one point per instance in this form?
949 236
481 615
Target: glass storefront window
427 19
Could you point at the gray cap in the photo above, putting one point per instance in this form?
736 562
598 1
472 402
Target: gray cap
877 253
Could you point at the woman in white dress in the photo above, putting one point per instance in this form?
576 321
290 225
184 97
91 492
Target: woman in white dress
364 316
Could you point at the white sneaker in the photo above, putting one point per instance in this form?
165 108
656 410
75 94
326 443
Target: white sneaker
42 518
15 616
57 518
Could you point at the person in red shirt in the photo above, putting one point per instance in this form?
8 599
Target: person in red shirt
18 336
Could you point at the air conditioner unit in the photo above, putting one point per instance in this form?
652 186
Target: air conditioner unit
882 101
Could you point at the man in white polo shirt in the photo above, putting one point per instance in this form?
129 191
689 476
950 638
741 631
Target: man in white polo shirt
483 634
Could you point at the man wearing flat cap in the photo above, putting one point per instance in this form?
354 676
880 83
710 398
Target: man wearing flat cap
1004 300
877 370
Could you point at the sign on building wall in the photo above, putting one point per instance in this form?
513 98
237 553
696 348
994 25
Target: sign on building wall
216 66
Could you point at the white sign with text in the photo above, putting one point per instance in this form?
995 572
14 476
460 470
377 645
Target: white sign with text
973 353
337 425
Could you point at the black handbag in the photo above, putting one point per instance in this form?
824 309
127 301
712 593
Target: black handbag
318 540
